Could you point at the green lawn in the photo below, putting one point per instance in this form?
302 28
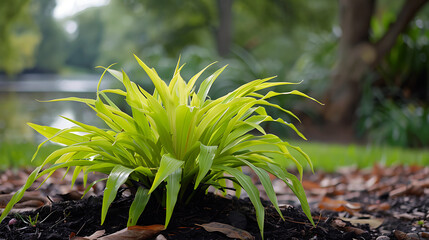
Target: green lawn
17 155
328 157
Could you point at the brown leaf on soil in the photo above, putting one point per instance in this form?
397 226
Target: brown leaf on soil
378 170
228 230
378 207
330 182
424 235
372 222
406 216
416 190
338 223
35 197
358 231
400 235
6 187
136 233
72 195
30 204
309 185
341 225
93 236
339 205
130 233
371 182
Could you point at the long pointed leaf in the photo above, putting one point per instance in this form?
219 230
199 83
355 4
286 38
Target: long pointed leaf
137 207
20 193
167 166
173 187
117 177
205 160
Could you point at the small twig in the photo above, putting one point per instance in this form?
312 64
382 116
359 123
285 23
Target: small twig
47 217
290 220
49 198
80 228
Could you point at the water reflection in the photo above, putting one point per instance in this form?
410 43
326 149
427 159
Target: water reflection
19 105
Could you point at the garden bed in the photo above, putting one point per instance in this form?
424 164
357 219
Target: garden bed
349 204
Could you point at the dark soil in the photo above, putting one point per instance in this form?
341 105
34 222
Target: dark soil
82 217
397 197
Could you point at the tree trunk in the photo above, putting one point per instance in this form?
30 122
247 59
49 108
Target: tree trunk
357 55
354 53
224 32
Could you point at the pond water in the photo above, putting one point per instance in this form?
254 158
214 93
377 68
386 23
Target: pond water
19 104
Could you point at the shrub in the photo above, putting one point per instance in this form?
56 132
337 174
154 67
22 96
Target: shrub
397 125
175 144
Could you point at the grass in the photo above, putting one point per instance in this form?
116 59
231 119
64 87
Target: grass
18 154
329 157
326 157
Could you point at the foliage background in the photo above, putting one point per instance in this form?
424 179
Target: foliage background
292 39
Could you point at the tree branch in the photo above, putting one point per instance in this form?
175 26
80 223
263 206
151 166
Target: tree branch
224 32
407 13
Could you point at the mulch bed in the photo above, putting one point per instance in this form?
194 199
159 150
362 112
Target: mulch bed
378 203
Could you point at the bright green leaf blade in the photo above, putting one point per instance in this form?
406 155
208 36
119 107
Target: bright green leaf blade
91 185
192 81
173 187
117 177
20 193
166 167
160 85
267 184
53 134
295 185
205 160
116 74
137 207
207 83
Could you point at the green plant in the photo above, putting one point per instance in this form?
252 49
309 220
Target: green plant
396 124
29 220
176 143
393 108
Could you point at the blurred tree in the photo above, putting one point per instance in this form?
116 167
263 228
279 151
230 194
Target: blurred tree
18 36
357 53
84 50
224 31
52 50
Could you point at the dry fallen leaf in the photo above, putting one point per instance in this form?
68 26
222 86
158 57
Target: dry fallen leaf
309 185
228 230
358 231
135 233
71 195
339 205
93 236
406 216
28 196
378 207
416 190
400 235
372 222
340 224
